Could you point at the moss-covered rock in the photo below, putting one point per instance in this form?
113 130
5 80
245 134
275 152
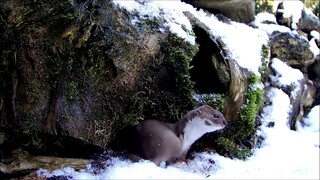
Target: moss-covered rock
82 70
292 48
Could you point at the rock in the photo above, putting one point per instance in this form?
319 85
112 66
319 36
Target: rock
295 15
292 48
313 72
23 164
309 21
240 11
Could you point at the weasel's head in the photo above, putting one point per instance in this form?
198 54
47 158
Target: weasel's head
207 118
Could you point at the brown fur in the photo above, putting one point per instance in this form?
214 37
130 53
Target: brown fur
163 142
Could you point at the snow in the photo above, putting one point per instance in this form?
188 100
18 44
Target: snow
293 10
176 21
313 47
280 107
286 75
284 154
264 16
269 28
234 35
315 34
312 121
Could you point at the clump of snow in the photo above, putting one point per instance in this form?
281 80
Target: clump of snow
286 75
315 34
269 28
280 106
293 10
265 17
176 21
312 121
237 37
313 47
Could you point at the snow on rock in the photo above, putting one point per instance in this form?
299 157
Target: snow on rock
237 37
244 43
271 26
293 10
286 75
176 21
265 17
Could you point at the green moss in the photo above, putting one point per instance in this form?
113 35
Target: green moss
180 54
153 22
67 3
263 69
30 129
232 149
66 10
186 30
70 16
250 110
264 6
230 143
72 91
245 127
166 89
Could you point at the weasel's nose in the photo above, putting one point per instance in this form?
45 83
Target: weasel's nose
224 122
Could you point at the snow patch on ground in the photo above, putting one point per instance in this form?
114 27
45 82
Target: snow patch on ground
312 122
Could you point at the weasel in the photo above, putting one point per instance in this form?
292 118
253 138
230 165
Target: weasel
164 142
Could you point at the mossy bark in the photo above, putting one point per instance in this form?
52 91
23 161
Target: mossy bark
234 92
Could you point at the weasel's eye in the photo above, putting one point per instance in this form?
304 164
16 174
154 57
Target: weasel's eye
216 116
